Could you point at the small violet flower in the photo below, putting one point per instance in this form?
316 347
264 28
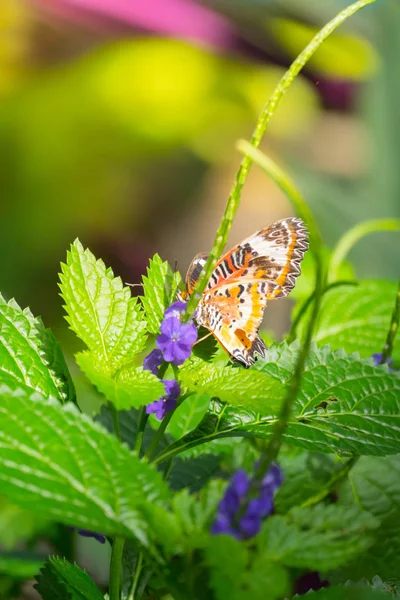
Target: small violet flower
167 402
378 357
240 516
176 339
90 534
153 361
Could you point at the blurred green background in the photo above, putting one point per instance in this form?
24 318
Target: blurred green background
118 122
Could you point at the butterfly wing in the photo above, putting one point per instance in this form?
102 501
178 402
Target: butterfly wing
272 254
260 268
233 312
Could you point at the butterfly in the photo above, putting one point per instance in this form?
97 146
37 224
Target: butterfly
262 267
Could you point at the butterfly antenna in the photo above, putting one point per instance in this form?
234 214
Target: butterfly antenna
203 338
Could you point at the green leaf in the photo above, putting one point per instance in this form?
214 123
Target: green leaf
60 580
193 473
101 310
374 484
130 387
357 318
241 577
20 565
17 524
344 404
71 470
348 592
188 415
305 475
160 288
236 385
319 538
30 357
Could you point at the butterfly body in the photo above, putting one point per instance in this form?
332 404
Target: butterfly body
261 268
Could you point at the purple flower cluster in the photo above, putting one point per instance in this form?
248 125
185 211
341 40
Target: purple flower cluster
239 514
174 345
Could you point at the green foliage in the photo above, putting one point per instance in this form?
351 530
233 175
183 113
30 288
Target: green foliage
20 565
17 524
239 577
340 398
77 473
233 384
188 415
374 484
356 318
130 387
30 356
317 538
60 580
160 288
349 592
100 310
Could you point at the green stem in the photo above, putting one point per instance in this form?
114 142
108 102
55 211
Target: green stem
160 432
353 235
245 166
394 325
136 576
142 425
117 430
115 568
336 478
306 304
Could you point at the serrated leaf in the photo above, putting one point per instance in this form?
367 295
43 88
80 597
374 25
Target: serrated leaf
240 387
305 474
347 592
70 469
60 580
344 404
101 310
240 577
357 318
374 484
130 387
30 357
318 538
160 288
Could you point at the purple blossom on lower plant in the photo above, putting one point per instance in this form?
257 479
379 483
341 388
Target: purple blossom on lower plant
167 402
153 361
377 358
241 515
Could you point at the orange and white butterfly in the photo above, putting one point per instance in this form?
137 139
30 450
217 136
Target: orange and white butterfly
262 267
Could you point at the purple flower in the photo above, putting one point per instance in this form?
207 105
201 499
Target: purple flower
176 339
167 402
377 358
175 310
90 534
153 361
241 516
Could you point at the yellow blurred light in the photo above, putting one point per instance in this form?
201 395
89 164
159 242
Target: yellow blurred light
341 55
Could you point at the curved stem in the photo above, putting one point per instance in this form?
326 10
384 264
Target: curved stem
115 568
394 325
136 576
355 234
306 304
142 425
262 123
336 478
160 432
